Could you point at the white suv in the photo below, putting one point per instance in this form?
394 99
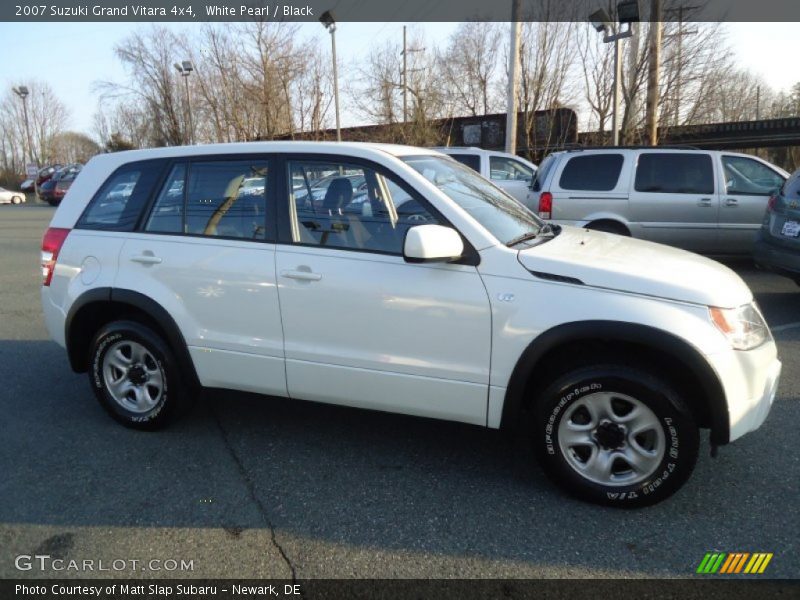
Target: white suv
397 279
512 174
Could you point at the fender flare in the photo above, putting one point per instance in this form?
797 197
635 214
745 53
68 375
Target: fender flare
620 331
151 308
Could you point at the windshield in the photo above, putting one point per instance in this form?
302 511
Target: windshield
504 217
541 174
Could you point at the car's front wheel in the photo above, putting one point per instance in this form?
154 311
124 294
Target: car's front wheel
16 200
615 435
135 377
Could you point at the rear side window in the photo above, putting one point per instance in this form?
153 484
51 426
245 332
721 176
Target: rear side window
224 199
470 160
675 173
592 173
544 170
118 204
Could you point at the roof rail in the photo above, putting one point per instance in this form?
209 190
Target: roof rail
641 147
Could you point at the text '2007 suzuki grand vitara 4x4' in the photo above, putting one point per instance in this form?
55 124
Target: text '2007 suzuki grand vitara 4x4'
394 278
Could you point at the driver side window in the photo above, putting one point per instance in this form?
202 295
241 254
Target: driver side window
749 177
349 206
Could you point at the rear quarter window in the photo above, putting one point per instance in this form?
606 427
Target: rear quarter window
592 173
118 204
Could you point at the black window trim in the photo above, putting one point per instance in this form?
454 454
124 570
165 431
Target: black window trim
283 183
270 232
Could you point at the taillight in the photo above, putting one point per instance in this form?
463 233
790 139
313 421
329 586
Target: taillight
51 245
771 203
545 205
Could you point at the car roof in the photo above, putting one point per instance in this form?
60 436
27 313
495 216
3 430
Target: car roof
268 147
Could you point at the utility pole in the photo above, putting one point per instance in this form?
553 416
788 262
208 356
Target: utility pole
653 68
617 90
405 77
513 79
679 54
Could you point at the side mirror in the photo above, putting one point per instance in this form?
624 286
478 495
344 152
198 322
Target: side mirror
432 243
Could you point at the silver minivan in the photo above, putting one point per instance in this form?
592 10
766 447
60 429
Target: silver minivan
701 200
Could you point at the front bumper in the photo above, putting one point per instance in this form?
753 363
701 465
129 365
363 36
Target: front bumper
750 380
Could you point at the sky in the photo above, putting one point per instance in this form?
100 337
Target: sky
72 57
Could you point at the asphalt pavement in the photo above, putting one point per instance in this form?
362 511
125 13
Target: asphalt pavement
268 488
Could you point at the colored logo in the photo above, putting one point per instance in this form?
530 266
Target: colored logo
735 562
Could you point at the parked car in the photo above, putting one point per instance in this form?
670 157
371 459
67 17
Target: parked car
27 186
778 244
700 200
607 353
9 197
45 174
513 174
53 190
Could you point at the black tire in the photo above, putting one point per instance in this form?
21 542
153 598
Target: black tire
609 227
564 396
170 402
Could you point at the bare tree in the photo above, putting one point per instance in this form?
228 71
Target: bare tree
470 70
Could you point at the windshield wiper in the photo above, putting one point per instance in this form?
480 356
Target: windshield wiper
523 238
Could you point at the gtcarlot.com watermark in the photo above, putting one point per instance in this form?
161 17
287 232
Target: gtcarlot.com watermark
46 563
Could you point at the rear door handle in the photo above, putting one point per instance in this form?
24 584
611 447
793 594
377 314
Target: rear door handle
301 275
704 202
146 259
731 202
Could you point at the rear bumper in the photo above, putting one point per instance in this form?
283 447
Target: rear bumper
780 259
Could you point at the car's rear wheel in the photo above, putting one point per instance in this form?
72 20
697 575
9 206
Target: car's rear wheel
135 376
615 435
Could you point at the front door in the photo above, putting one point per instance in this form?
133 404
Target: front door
747 188
361 326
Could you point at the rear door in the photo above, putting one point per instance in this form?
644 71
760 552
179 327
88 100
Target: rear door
206 253
674 199
748 184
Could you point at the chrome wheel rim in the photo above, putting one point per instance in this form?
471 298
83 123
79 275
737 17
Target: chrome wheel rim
611 439
133 377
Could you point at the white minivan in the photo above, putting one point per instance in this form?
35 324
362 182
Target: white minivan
396 279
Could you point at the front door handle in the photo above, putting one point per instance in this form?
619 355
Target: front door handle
146 259
731 202
704 202
301 275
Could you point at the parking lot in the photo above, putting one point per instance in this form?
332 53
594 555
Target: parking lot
249 487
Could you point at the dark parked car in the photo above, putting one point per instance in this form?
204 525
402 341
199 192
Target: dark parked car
45 174
778 244
53 190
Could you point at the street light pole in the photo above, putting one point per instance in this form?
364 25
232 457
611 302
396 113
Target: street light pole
617 78
627 12
329 23
185 69
22 92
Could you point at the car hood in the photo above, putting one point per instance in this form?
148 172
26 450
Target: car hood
621 263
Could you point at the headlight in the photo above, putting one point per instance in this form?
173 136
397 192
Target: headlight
744 326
